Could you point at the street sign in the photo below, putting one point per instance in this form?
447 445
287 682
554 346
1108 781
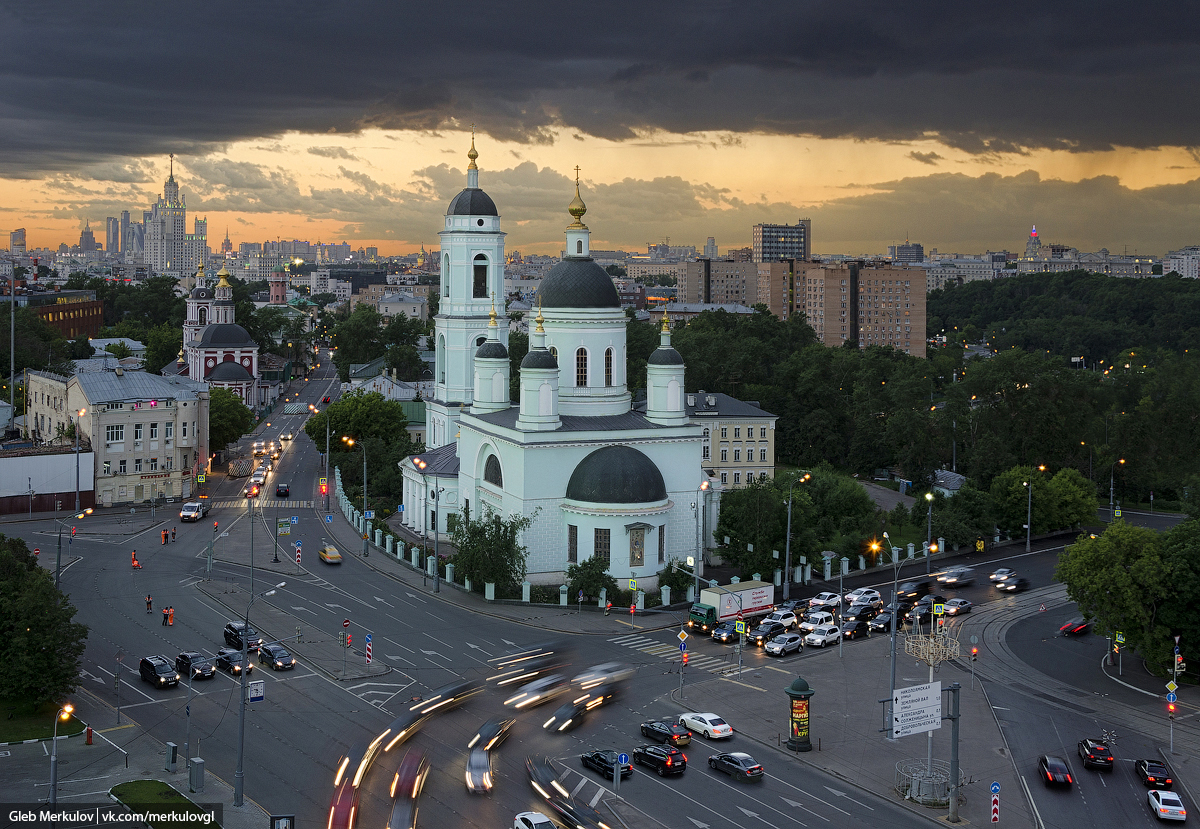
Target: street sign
298 543
283 527
1172 687
917 709
995 808
1172 697
1177 650
37 552
633 584
345 623
255 690
368 649
939 609
322 481
297 556
682 636
580 596
295 519
739 626
1118 512
328 519
995 787
200 478
1120 638
622 758
400 508
682 647
370 514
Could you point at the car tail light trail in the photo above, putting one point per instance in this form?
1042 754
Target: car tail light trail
1068 778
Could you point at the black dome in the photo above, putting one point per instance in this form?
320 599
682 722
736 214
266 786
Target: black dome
200 292
226 333
578 283
229 372
617 475
493 350
472 202
539 358
665 357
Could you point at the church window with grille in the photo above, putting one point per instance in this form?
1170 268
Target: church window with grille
491 471
603 545
608 367
479 288
581 367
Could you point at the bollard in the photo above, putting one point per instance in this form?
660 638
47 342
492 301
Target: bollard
89 735
603 597
526 587
664 595
489 591
450 574
172 756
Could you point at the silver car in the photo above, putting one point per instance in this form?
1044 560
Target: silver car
784 643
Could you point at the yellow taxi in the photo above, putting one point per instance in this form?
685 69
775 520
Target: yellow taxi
329 554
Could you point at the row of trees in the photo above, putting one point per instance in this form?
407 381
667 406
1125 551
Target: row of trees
363 336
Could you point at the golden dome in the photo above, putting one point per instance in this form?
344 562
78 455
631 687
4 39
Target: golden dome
577 208
666 323
539 319
492 316
472 153
223 274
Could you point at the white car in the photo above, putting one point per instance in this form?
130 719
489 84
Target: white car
532 820
1002 574
538 692
784 617
1166 805
955 607
823 635
603 674
815 620
710 725
825 599
784 642
959 576
863 595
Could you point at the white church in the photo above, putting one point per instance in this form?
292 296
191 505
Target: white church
598 477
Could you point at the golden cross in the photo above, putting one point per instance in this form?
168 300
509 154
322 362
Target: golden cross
577 175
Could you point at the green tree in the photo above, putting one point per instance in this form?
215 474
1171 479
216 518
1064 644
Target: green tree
1074 499
677 577
163 344
324 298
119 350
489 549
228 418
358 339
752 516
405 361
40 645
591 576
403 330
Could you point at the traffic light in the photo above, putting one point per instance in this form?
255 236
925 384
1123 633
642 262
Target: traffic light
324 489
974 654
215 526
933 548
1178 658
685 657
1171 710
1116 648
349 639
73 535
342 638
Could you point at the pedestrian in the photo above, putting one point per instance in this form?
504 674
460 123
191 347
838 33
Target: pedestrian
170 615
164 617
173 529
149 604
164 536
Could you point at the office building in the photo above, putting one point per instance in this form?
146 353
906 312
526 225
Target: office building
739 437
112 235
169 249
771 243
87 239
123 229
908 253
710 248
16 242
73 314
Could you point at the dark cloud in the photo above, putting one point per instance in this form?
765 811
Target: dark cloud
116 82
926 158
333 152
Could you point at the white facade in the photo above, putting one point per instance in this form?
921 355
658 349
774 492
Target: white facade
594 476
1185 262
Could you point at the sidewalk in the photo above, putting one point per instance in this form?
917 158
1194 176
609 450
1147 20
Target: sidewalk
119 753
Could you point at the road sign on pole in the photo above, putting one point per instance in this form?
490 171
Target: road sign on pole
368 649
255 690
369 514
328 519
283 527
295 519
682 636
995 808
297 554
1172 697
682 647
995 787
917 709
345 623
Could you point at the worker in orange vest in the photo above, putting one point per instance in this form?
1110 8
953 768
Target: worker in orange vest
170 615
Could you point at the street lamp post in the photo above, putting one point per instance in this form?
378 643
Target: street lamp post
1029 509
239 776
325 460
787 546
701 504
1111 480
929 532
80 414
422 465
64 713
58 555
349 441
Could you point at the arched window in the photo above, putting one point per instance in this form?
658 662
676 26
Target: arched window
491 471
446 275
441 360
480 341
479 286
204 316
579 246
608 360
554 352
706 431
581 367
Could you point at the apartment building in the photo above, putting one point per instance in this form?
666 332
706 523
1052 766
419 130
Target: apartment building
771 243
718 281
739 437
149 433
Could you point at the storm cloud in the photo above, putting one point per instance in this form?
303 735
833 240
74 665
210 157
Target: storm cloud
89 83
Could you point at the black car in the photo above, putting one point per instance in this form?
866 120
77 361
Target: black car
447 697
401 729
882 623
766 632
797 606
230 660
666 731
282 490
1154 774
577 814
902 605
492 733
603 760
855 630
736 764
920 613
663 759
196 664
325 399
1017 585
276 657
544 777
1075 627
860 613
1054 771
914 589
233 636
569 715
725 632
158 670
1095 754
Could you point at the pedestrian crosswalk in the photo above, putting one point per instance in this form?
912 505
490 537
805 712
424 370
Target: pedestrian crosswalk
266 504
664 650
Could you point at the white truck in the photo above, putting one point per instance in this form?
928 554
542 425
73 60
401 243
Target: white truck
753 599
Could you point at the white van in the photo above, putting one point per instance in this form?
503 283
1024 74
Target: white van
816 619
